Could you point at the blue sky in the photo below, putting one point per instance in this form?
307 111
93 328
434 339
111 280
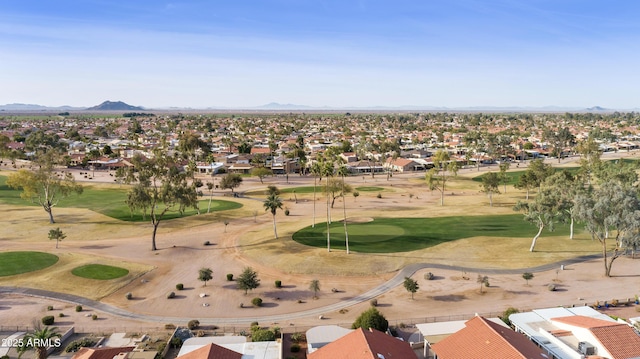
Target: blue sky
343 53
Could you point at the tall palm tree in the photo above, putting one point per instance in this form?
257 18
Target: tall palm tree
316 171
39 340
327 170
272 203
342 172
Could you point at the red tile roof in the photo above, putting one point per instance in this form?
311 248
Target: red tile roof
482 339
619 339
101 353
211 351
365 344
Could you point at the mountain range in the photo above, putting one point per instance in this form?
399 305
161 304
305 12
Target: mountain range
274 106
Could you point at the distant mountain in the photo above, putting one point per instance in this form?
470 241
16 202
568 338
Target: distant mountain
598 109
33 107
114 106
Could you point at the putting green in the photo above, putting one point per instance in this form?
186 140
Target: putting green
365 234
99 271
12 263
369 189
389 235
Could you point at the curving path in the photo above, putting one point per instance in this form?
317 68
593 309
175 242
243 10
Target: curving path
397 280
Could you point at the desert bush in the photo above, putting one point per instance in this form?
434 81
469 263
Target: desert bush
171 295
4 357
179 286
50 307
295 348
286 212
94 316
373 302
428 276
551 287
176 342
298 337
257 302
379 195
129 295
78 308
48 319
193 324
80 343
254 324
207 243
507 313
229 277
278 284
262 335
61 315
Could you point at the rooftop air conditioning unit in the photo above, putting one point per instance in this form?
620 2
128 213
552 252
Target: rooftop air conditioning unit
586 348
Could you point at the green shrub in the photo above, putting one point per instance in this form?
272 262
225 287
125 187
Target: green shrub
278 284
94 316
286 212
129 295
176 342
507 313
193 324
48 320
371 318
295 348
229 277
171 295
257 302
179 286
78 308
373 302
160 349
4 357
50 307
262 335
298 337
80 343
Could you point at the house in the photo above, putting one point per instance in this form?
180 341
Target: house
568 333
483 339
365 344
229 347
101 353
402 165
319 336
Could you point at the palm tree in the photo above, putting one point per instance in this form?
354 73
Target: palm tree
272 203
327 170
316 171
342 171
39 340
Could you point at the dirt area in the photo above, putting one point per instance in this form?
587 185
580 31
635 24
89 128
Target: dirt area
248 241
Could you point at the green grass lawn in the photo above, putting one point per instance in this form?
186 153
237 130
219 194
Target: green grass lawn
99 271
514 176
12 263
388 235
369 189
110 202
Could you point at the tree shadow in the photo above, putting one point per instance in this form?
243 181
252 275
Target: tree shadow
96 247
291 295
269 305
449 298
